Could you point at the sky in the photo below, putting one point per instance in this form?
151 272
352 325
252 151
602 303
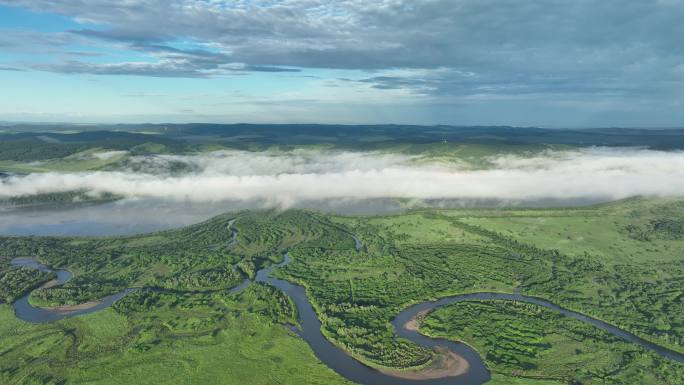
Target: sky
551 63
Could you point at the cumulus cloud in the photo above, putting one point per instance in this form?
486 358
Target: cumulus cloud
286 179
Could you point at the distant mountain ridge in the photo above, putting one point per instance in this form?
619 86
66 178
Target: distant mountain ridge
173 135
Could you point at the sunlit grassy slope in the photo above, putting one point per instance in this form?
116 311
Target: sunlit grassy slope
635 230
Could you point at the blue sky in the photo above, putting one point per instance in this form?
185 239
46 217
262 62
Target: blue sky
463 62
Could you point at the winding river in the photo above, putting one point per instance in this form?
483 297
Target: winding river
27 312
336 358
341 362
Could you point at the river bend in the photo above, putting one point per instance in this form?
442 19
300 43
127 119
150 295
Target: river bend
333 356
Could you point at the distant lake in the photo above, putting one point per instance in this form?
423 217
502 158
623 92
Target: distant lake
135 216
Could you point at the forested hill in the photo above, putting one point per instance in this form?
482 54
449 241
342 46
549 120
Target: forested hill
369 136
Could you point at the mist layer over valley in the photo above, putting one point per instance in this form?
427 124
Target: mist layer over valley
286 179
159 191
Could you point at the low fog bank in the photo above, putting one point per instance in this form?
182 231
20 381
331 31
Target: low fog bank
288 179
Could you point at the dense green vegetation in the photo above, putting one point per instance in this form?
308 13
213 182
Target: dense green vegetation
527 341
668 229
34 149
209 279
69 197
76 291
586 259
16 281
40 146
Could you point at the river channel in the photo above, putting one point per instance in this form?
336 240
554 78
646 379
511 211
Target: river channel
333 356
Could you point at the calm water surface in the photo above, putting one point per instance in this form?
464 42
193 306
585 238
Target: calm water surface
135 216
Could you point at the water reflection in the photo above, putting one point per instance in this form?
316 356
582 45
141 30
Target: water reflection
134 216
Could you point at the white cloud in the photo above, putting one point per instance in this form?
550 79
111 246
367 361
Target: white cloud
285 179
483 62
106 155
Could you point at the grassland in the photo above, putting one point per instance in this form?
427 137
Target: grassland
184 310
621 261
631 231
165 339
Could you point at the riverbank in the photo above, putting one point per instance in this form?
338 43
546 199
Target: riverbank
414 323
73 308
445 364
